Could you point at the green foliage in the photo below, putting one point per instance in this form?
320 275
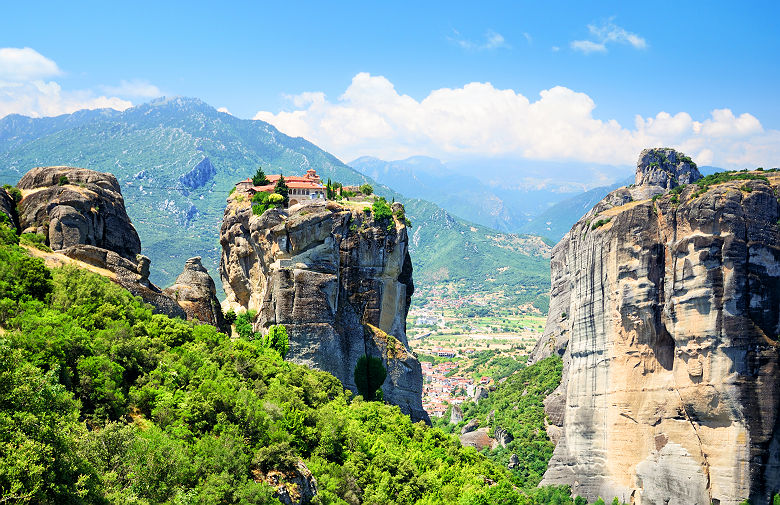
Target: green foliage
259 179
600 222
282 189
746 188
244 322
15 193
63 180
263 201
180 413
232 190
230 316
34 240
776 500
22 277
370 374
7 234
277 339
705 183
381 209
366 189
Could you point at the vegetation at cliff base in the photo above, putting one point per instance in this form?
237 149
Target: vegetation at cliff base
516 406
102 401
370 374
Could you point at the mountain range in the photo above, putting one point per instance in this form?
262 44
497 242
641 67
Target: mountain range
177 158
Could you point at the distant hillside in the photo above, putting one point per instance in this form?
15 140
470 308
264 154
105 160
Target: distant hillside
556 221
176 159
429 179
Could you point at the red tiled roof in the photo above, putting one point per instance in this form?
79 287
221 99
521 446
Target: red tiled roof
292 181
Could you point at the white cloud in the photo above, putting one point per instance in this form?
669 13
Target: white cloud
134 88
372 118
25 64
492 40
225 110
25 90
607 33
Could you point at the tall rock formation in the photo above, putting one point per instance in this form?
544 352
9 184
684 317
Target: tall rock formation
666 311
339 280
196 293
71 206
81 214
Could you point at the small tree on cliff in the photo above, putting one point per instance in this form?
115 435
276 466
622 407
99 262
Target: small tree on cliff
259 178
282 189
370 374
277 339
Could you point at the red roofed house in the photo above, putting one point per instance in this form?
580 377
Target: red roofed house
307 187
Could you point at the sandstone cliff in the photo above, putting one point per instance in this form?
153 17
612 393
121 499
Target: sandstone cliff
667 313
340 282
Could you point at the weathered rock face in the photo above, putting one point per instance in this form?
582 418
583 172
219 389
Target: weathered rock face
667 316
665 168
196 293
338 280
131 275
82 215
8 207
87 209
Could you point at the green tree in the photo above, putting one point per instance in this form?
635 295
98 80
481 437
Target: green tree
277 339
282 189
259 179
381 209
370 374
366 189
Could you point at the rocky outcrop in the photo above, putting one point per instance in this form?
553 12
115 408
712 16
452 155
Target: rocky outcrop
470 426
294 486
665 168
667 313
72 206
196 293
8 208
478 439
456 414
81 214
501 438
339 280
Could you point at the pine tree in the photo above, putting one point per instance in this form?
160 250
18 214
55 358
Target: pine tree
282 189
259 178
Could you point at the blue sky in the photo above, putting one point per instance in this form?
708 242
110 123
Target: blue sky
257 59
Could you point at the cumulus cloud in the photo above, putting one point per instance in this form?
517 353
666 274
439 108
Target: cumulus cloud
607 33
372 118
25 64
134 88
225 110
491 40
25 88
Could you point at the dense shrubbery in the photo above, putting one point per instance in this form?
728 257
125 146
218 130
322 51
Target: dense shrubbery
262 201
102 401
381 209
